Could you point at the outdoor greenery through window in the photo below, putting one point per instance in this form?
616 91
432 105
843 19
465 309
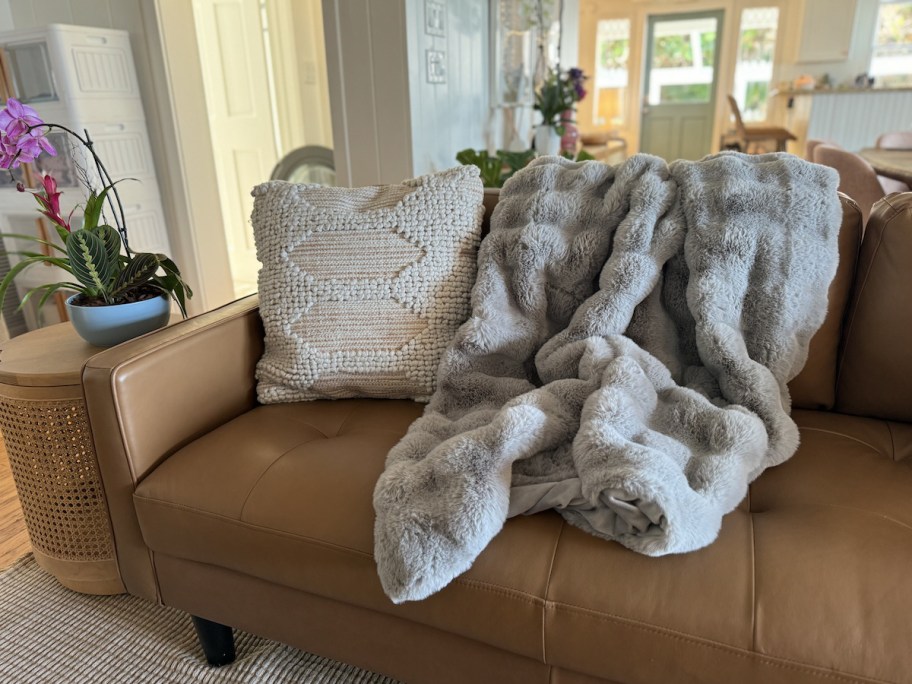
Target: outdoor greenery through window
682 62
891 63
612 47
754 69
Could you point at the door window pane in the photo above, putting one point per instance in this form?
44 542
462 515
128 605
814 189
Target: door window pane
612 52
683 56
891 64
754 70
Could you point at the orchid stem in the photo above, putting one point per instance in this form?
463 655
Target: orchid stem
89 144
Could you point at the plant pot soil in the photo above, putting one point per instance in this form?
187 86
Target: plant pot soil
139 294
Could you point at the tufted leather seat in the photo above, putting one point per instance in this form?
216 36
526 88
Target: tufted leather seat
283 493
261 517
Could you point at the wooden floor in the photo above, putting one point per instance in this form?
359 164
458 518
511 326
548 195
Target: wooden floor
14 541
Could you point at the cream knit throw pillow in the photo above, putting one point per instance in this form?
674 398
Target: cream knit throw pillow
362 289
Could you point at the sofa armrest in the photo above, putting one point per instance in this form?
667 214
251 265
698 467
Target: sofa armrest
875 372
150 396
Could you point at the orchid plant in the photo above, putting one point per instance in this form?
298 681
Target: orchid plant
98 255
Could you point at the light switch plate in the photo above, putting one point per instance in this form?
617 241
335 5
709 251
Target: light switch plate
436 66
435 18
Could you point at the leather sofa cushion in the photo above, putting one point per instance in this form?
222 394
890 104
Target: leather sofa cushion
284 493
801 582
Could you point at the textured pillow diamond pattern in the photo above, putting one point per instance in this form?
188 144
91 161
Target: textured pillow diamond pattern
362 289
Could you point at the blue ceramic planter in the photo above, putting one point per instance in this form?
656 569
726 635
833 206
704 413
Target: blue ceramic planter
105 326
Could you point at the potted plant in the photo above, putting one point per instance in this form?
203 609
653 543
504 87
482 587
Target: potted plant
496 169
555 100
119 293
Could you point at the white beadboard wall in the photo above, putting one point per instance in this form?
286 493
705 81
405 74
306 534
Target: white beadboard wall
6 16
854 120
448 117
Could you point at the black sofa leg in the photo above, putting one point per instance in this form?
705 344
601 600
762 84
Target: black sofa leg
217 641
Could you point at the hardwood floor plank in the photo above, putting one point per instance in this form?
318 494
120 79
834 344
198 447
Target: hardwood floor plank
14 540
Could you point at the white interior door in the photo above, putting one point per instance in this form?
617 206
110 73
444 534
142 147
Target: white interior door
236 81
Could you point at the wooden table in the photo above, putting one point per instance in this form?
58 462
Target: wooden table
891 163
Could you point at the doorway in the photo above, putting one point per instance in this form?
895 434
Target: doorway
679 86
237 83
246 84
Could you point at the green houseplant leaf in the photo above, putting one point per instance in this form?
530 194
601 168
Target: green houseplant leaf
33 238
49 289
111 240
138 271
490 166
24 264
514 161
173 284
93 206
89 260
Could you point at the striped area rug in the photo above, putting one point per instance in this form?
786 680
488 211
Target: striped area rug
51 634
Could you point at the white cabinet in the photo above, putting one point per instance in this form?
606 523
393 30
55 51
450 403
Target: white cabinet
826 30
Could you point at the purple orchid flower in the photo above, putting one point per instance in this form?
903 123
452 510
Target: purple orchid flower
21 137
24 150
16 119
8 152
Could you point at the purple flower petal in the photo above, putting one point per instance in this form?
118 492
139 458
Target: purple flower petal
19 119
45 145
14 107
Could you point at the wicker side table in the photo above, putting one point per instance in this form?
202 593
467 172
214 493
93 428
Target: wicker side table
52 457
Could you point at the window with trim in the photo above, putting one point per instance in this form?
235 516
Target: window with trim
612 54
891 62
754 68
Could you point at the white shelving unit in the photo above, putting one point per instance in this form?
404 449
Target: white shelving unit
82 78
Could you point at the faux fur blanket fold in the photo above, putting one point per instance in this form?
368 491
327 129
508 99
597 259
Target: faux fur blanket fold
633 329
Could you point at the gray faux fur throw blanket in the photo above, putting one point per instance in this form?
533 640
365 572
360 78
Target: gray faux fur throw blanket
633 329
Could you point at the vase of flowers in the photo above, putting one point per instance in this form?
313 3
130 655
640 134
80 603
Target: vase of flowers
558 93
118 293
547 140
570 139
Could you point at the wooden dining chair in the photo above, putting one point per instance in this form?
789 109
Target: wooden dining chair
754 134
811 145
897 140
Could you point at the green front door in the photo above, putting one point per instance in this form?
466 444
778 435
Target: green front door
679 91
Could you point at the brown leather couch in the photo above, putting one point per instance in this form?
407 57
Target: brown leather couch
260 517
